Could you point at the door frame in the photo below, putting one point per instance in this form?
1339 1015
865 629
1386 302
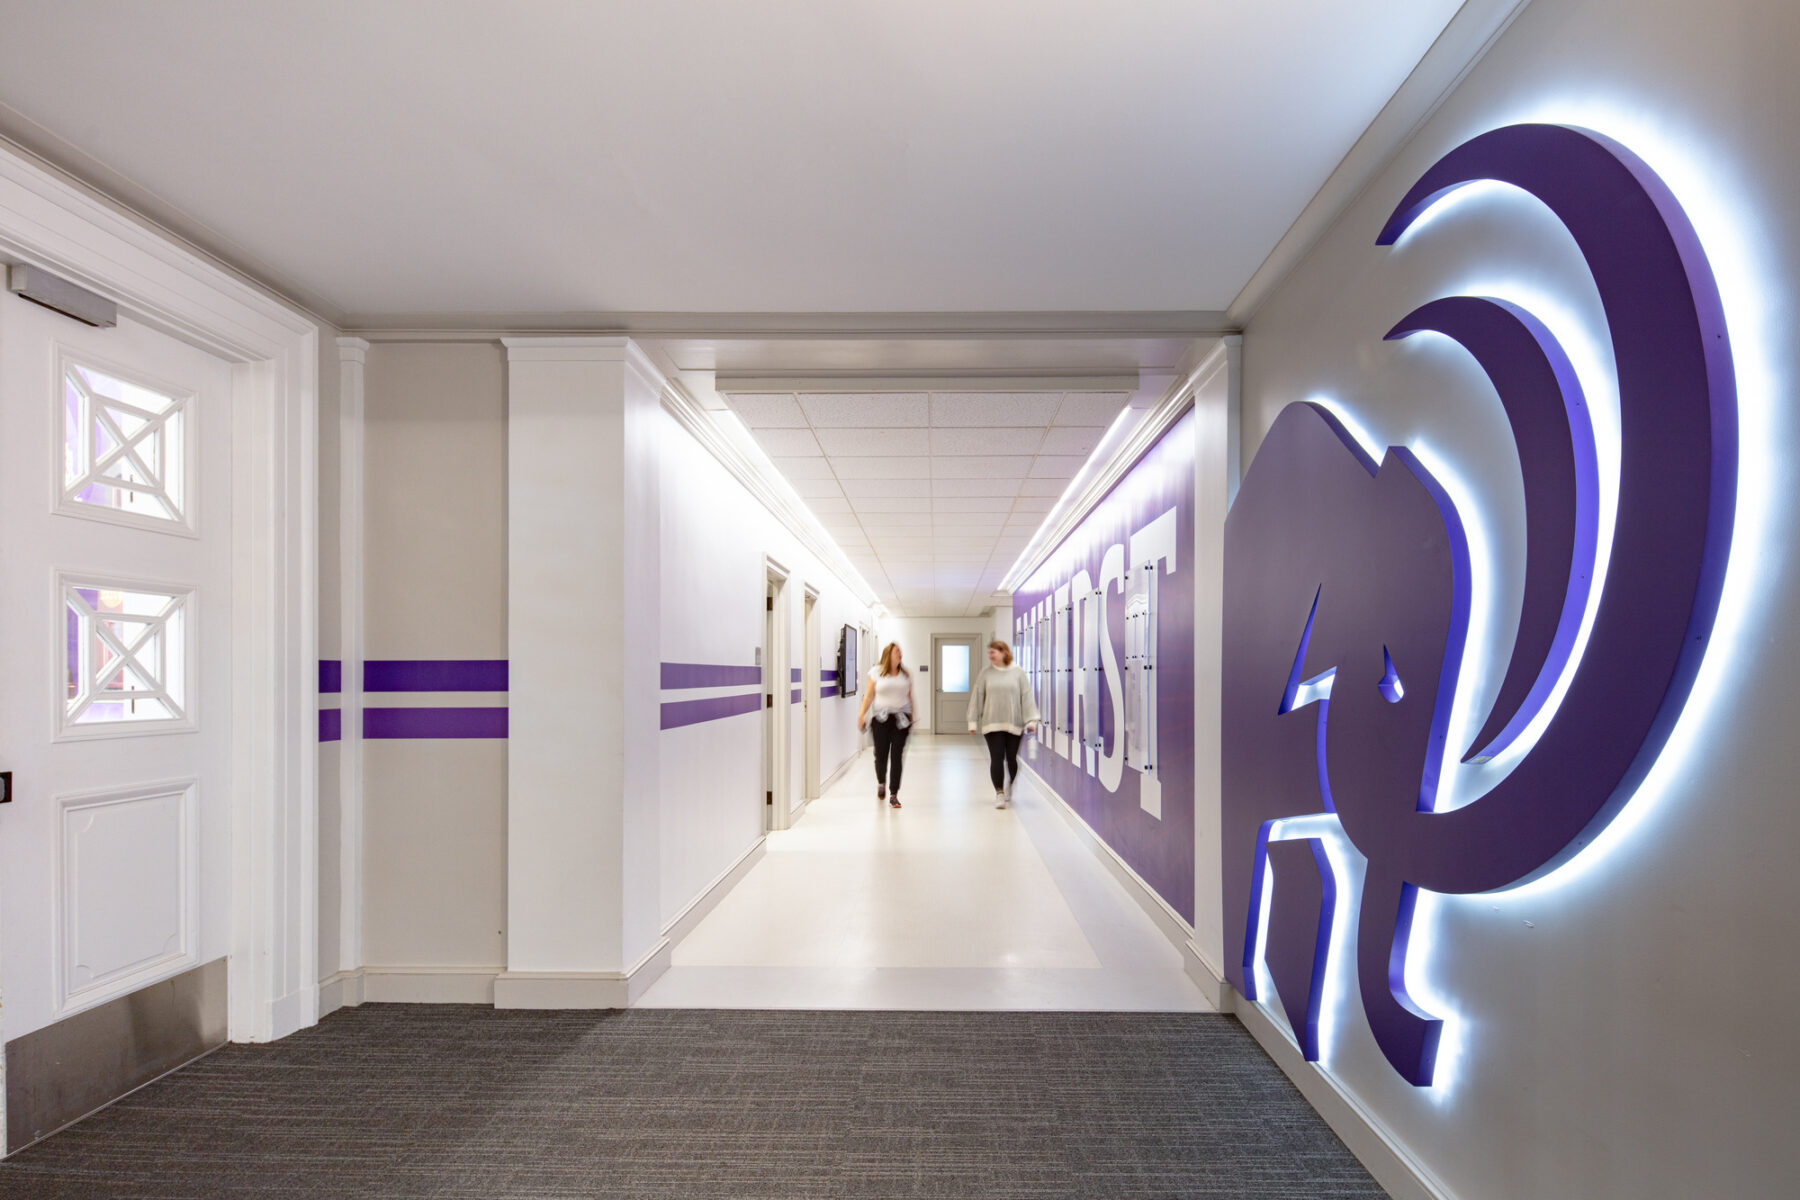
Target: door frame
975 642
809 688
777 681
46 220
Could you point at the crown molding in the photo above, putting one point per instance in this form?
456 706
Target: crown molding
1464 42
760 478
794 325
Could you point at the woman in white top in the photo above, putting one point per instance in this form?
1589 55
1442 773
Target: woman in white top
889 694
1002 709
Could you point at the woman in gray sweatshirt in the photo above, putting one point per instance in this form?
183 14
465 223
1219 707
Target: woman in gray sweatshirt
1002 709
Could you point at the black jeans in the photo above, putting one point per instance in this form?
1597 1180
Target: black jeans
1003 757
890 751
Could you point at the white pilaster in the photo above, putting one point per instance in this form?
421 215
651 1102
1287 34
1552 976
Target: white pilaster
352 356
584 641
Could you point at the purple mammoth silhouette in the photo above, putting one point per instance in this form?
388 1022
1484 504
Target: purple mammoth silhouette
1347 587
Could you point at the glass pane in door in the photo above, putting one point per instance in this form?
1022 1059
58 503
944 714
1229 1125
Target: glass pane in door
953 668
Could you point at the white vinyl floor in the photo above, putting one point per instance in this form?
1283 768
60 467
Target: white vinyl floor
945 903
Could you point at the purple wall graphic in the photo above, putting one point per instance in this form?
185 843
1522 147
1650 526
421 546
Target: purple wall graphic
1347 591
1159 848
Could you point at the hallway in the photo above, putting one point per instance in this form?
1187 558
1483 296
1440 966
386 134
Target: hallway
944 904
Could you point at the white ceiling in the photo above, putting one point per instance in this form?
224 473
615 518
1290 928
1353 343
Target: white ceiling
470 156
932 495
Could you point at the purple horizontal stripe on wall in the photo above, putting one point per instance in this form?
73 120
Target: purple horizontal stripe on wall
828 691
434 722
828 674
697 675
331 724
676 713
794 675
434 675
331 676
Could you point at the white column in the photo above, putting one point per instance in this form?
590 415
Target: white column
352 359
1216 405
584 643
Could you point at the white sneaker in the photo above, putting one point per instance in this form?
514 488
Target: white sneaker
999 799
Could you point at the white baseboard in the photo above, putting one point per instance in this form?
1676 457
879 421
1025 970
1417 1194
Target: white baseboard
342 990
428 985
843 769
1206 975
289 1015
582 989
697 908
1392 1165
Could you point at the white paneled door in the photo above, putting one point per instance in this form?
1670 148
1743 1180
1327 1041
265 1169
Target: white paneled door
115 661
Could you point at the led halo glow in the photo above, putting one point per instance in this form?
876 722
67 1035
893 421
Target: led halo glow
1749 294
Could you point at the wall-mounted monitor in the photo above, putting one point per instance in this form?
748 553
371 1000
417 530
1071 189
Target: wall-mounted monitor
847 675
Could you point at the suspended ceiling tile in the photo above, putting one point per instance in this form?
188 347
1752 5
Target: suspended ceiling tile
803 468
1091 408
1034 505
975 487
971 504
857 488
1071 439
875 504
881 468
811 488
1009 467
986 440
994 408
788 443
824 505
767 410
1051 488
866 410
1056 466
892 520
874 443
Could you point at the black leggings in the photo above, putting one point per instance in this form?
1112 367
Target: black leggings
890 751
1003 757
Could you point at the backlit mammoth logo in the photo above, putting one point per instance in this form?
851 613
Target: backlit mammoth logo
1347 597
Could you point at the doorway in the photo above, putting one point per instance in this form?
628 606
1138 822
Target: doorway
955 661
777 679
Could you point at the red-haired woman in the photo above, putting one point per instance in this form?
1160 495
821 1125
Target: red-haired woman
889 694
1002 709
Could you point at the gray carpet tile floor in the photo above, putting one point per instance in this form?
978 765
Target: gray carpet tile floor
463 1102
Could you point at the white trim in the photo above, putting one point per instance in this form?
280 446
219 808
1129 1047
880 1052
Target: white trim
352 392
428 985
750 467
48 222
341 990
584 989
1206 974
1470 34
697 909
1394 1167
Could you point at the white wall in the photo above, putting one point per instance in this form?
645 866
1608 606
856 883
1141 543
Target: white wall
434 541
914 635
715 540
1626 1030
